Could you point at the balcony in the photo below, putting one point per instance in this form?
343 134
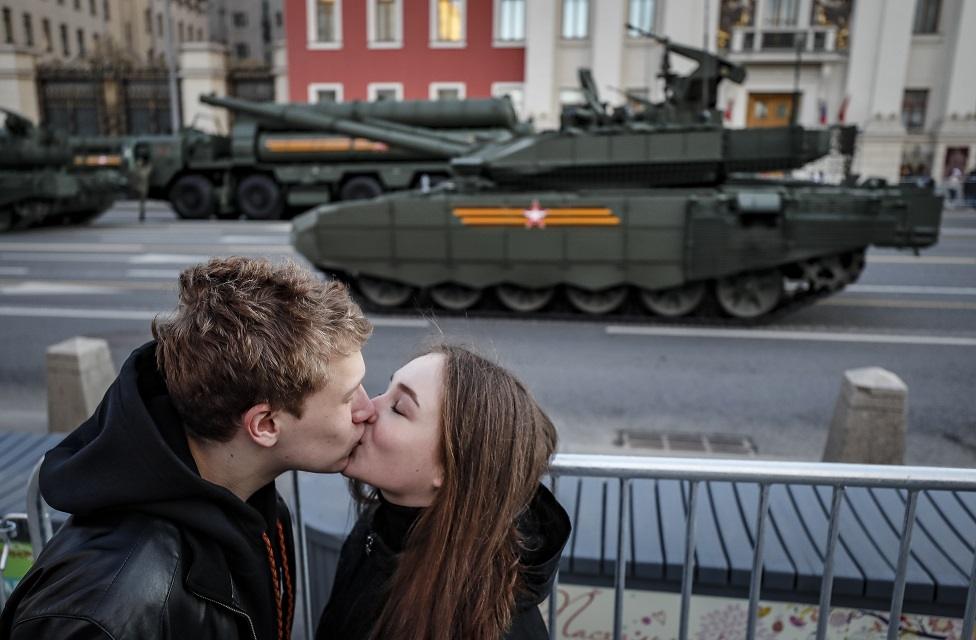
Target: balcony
779 44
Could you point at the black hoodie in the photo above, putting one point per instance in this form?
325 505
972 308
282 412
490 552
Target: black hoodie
369 558
129 468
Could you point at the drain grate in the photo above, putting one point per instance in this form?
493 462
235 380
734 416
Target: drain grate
685 442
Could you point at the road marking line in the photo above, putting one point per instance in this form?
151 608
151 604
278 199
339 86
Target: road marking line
240 239
70 247
895 259
142 315
168 258
770 334
13 271
911 289
957 231
92 314
898 304
39 287
169 274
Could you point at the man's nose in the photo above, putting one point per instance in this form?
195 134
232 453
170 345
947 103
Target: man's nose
363 409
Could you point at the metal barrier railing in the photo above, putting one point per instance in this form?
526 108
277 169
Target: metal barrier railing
625 469
7 531
766 473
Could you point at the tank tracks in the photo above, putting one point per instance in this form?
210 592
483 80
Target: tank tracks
804 284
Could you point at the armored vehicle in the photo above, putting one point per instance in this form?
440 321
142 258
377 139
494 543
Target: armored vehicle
39 182
267 168
618 210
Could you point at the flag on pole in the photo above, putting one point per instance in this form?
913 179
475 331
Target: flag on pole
842 112
727 114
822 107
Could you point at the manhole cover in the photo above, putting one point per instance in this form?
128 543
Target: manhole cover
687 442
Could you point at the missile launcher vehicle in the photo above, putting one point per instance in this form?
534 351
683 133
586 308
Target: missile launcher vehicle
616 210
39 183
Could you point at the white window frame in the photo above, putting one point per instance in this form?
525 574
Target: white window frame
589 23
375 87
434 87
497 42
499 89
655 13
371 42
311 19
315 87
446 44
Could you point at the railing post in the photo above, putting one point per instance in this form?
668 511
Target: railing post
969 618
688 570
303 561
898 593
827 582
757 562
620 570
554 593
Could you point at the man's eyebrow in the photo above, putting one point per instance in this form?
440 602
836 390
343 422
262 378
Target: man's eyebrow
356 388
410 392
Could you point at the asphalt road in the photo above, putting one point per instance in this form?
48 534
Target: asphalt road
775 386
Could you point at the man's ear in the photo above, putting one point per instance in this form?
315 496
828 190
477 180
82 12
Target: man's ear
261 425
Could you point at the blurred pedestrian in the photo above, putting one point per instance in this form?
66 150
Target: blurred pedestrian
141 171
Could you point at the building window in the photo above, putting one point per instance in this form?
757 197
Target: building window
509 20
97 42
159 24
81 42
105 11
325 27
8 26
77 5
179 30
65 44
447 17
571 96
913 106
514 91
46 31
447 91
782 13
148 16
91 7
324 92
384 23
927 16
242 51
278 19
29 29
129 36
240 19
641 15
380 91
576 19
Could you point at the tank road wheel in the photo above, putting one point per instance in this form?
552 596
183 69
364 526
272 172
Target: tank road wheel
259 198
853 263
384 293
31 212
361 188
596 302
453 296
193 197
825 274
524 300
674 302
750 295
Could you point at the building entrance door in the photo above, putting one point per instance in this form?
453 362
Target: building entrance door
769 109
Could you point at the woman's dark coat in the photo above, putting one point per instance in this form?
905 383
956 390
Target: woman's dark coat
368 561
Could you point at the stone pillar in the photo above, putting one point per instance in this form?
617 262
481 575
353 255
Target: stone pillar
279 70
608 47
876 83
203 69
542 25
79 371
18 82
957 127
869 420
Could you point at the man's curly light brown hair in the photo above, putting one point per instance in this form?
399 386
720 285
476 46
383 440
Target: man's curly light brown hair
248 331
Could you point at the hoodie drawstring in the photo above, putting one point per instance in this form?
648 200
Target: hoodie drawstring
284 621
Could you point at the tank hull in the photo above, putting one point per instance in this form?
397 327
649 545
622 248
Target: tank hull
649 240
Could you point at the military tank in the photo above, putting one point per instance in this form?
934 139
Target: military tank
39 183
617 210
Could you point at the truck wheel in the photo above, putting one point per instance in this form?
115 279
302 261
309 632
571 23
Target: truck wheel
192 197
259 198
361 188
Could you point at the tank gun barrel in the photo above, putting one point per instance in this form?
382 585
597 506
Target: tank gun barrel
418 139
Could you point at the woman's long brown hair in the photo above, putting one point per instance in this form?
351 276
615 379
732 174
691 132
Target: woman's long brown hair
458 576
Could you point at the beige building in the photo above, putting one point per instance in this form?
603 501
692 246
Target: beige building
895 68
69 30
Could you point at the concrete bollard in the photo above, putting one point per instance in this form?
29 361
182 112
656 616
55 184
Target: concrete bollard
79 371
870 419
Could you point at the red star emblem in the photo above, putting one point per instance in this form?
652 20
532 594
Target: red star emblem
535 216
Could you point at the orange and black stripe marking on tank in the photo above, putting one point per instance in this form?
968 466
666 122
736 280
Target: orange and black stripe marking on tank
536 217
323 145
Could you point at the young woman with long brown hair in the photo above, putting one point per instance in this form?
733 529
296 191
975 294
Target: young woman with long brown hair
458 540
